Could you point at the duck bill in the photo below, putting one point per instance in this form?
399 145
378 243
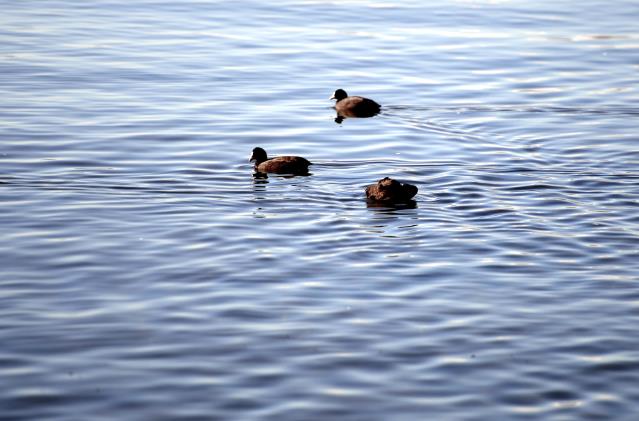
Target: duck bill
252 158
332 97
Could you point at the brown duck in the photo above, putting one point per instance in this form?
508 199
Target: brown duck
388 190
295 165
354 106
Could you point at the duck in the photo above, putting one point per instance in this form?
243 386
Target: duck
390 191
295 165
354 106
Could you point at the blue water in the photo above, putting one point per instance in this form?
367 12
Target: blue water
146 275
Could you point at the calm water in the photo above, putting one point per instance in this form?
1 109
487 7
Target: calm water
146 275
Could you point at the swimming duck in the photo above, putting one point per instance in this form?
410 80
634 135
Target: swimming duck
354 106
388 190
295 165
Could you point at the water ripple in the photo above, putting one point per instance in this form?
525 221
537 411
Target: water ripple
147 274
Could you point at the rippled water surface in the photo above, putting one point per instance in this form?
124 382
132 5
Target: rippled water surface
146 275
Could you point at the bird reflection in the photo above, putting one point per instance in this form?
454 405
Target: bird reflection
260 182
340 116
390 207
392 220
260 178
263 177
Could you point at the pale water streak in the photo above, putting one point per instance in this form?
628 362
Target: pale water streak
145 274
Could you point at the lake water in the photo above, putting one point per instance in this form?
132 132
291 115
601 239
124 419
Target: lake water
146 275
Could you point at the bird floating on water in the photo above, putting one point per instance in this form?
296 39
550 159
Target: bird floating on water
294 165
390 191
353 106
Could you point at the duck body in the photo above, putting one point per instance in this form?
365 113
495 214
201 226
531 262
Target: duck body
354 106
295 165
390 191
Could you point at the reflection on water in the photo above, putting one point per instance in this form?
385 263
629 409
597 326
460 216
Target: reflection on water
342 115
390 207
146 272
